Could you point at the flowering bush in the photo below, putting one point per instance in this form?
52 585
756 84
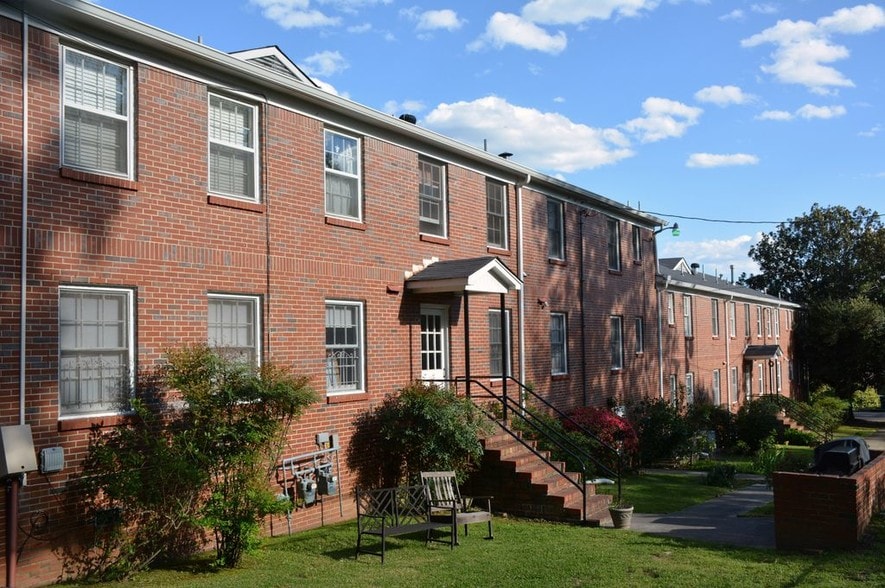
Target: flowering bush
608 428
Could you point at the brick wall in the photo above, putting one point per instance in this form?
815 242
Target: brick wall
814 511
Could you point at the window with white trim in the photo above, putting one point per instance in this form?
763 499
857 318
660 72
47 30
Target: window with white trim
689 388
616 340
639 332
345 347
714 316
496 214
233 150
613 229
234 327
432 212
777 322
96 114
555 229
558 344
687 320
637 243
674 390
498 364
732 319
761 378
747 328
96 350
671 308
733 393
767 314
717 387
758 321
778 376
342 161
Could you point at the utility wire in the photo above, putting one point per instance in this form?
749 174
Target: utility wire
875 215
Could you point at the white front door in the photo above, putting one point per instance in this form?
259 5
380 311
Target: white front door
434 342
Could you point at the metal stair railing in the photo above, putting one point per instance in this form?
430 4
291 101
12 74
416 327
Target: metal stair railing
546 436
799 412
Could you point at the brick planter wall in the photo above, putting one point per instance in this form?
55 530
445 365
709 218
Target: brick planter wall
813 511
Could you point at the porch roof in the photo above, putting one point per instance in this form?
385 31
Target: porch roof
762 352
486 275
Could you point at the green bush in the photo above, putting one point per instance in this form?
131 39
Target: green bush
830 413
722 475
767 459
425 428
797 437
756 421
707 417
866 399
663 432
574 439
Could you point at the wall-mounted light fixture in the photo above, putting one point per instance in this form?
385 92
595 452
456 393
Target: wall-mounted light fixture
674 230
542 303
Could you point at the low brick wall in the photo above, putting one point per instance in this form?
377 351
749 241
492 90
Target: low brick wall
814 511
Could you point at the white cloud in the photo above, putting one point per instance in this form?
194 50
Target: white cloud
764 8
663 119
509 29
432 20
810 111
804 50
872 132
406 106
559 12
359 29
325 63
722 95
294 14
543 140
736 14
775 115
715 255
327 87
720 160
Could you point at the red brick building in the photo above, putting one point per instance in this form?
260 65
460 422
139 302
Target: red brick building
722 342
156 191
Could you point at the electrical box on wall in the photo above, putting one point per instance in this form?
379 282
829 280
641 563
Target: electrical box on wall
17 455
52 459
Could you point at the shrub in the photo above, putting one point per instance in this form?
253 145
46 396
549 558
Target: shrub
575 439
609 428
663 433
866 399
768 458
829 412
722 475
425 428
706 417
756 421
797 437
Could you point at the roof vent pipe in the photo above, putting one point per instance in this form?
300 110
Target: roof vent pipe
409 118
505 155
694 268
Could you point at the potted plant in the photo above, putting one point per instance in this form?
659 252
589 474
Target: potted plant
621 513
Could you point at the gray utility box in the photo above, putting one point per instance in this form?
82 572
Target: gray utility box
17 455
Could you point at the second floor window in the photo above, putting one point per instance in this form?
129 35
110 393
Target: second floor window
342 161
732 319
96 114
671 308
747 321
714 317
496 214
687 315
613 228
637 243
640 334
617 342
558 347
432 199
233 166
555 232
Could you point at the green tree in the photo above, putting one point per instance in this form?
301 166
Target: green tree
830 252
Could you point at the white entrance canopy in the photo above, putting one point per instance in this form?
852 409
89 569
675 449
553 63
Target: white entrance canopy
485 275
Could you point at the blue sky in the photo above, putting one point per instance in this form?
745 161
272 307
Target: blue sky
712 109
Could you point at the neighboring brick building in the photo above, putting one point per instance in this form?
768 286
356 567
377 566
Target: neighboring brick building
722 341
177 194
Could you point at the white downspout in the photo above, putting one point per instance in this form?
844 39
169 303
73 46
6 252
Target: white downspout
520 294
23 318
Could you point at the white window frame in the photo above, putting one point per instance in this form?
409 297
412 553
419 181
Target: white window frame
69 101
558 343
432 194
555 229
777 322
496 214
767 314
687 316
674 389
248 147
714 316
748 321
332 162
717 387
639 332
778 376
732 319
613 245
637 243
333 386
504 334
734 385
671 308
761 378
689 388
254 307
616 341
758 321
78 351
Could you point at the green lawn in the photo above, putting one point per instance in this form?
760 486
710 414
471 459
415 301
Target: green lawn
529 553
663 493
854 430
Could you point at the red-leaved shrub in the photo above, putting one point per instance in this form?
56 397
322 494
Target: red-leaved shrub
608 427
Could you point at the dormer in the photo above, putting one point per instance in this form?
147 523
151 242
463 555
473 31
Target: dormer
273 58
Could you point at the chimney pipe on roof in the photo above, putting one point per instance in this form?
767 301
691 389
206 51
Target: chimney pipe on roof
409 118
694 268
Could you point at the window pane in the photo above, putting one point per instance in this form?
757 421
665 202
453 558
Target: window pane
232 151
496 213
558 344
344 370
617 343
614 244
555 247
431 199
232 327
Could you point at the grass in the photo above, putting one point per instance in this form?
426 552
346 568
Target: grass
528 553
854 430
664 493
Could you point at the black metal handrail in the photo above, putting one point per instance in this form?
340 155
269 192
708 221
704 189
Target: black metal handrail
547 435
799 412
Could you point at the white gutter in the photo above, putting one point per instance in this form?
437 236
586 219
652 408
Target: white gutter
23 312
521 275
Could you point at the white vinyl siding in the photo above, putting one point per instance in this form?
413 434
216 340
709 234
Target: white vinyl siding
233 152
96 350
96 114
342 161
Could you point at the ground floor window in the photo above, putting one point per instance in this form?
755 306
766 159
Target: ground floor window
497 336
345 348
234 326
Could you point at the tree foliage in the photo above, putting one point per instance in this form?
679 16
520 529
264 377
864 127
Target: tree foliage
167 474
